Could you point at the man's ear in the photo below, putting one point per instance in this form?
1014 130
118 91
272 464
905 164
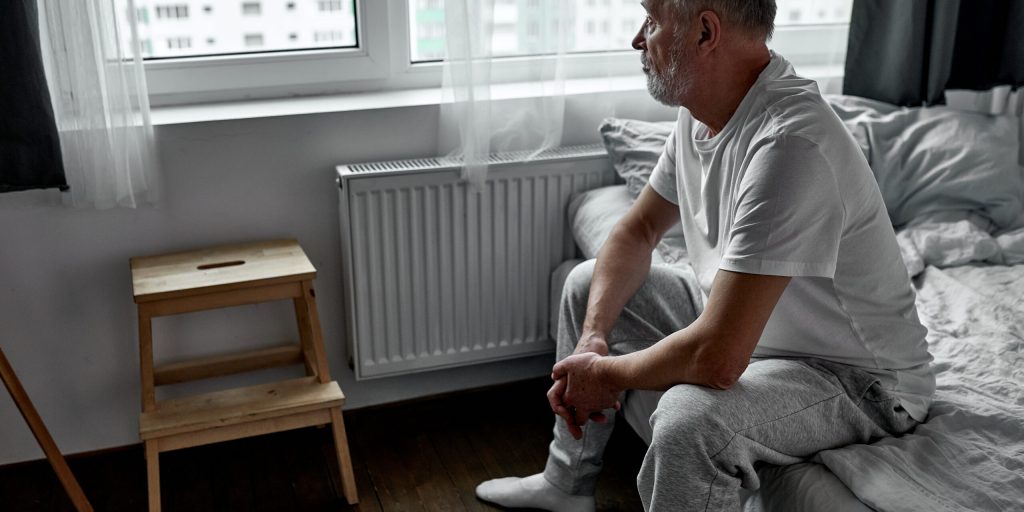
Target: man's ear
710 32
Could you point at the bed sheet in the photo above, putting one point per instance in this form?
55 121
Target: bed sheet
969 454
1004 284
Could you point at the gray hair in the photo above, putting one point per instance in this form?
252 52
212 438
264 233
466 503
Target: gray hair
757 16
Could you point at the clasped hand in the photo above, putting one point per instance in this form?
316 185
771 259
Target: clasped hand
581 392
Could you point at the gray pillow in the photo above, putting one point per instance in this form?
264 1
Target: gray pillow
634 148
936 159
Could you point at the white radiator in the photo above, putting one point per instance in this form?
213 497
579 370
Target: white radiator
438 275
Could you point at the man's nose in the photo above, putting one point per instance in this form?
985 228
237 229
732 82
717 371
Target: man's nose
639 41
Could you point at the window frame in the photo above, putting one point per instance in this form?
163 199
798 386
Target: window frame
185 80
382 62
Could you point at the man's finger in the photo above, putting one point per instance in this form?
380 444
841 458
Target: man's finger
563 413
555 400
556 395
559 370
582 417
574 430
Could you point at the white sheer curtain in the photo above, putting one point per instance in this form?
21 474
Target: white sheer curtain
100 102
490 109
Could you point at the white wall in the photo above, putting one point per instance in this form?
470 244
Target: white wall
67 320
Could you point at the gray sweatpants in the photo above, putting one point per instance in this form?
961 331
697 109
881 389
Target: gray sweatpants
707 443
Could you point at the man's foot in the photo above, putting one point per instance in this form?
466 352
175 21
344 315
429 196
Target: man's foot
532 492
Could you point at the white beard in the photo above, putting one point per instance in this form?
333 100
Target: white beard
672 85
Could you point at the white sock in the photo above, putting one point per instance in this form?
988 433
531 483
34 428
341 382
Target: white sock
532 492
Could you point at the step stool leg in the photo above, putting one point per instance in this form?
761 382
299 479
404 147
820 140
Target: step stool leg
153 474
348 476
305 334
309 327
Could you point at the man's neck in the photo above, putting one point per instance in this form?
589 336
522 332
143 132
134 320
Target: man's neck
719 99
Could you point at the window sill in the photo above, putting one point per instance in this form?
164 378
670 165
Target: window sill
377 100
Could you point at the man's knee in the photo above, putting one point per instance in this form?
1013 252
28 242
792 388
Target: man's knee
577 283
689 418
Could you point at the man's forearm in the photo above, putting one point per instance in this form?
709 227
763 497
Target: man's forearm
688 356
715 349
622 266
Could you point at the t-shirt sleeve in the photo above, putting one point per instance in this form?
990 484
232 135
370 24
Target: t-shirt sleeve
663 178
789 214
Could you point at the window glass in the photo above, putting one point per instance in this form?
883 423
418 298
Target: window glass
195 28
591 25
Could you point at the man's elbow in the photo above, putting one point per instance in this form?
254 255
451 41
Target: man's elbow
723 373
636 232
723 379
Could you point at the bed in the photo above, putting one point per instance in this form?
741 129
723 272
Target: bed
963 245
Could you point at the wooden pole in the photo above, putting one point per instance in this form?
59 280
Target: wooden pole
35 423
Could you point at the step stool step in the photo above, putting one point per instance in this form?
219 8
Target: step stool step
223 268
239 405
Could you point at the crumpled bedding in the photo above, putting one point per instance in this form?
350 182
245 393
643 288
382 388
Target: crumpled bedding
969 454
957 238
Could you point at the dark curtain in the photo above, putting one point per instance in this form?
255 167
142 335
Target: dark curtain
908 52
29 145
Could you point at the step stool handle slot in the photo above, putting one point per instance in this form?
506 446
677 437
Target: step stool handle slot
208 266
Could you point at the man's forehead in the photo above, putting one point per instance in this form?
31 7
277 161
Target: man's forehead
652 5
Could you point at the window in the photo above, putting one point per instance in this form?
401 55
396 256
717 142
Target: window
227 31
318 46
328 35
804 28
594 32
179 43
253 40
330 5
812 34
176 12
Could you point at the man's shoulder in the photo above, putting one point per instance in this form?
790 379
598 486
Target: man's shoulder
801 112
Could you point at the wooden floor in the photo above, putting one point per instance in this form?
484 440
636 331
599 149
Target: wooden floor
423 455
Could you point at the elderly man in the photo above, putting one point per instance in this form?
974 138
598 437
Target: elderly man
796 329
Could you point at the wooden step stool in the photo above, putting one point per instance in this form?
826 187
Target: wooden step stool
222 277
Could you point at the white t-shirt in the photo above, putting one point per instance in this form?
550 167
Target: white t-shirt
784 190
